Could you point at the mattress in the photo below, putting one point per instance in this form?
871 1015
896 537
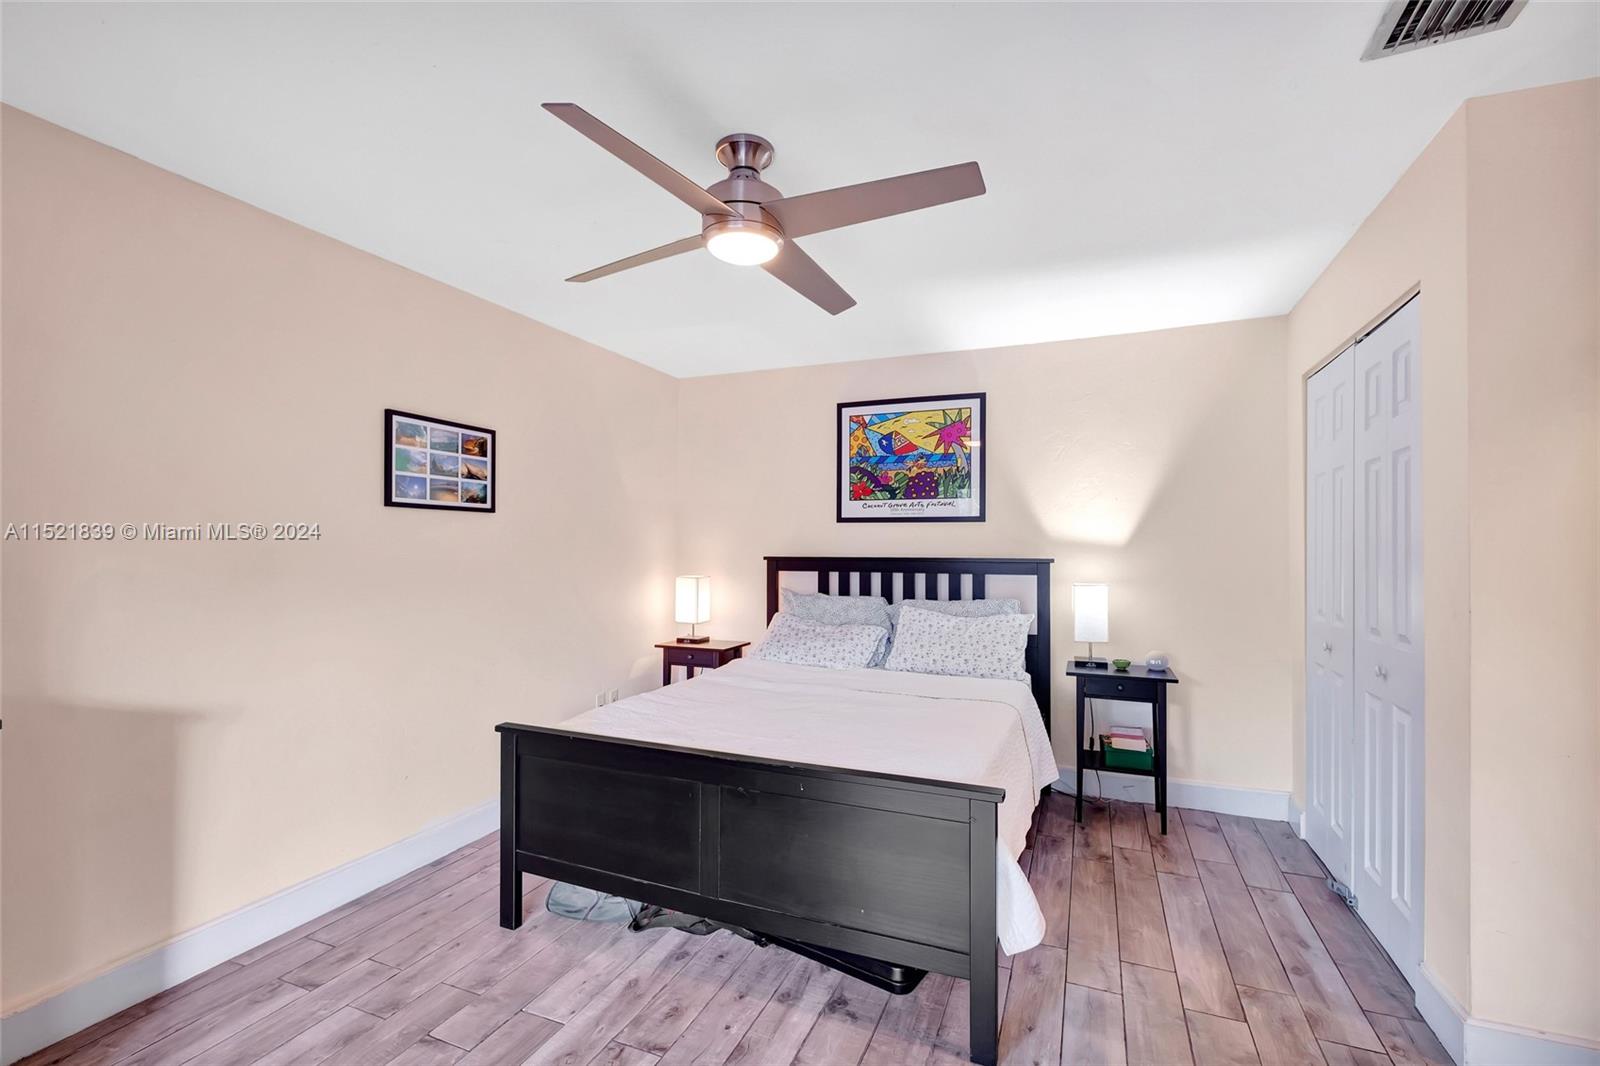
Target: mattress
972 730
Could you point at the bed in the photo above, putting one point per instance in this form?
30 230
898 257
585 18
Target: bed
903 861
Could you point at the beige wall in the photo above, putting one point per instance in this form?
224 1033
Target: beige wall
1533 238
1145 461
1497 222
191 727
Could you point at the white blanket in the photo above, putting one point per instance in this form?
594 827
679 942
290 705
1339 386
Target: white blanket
973 730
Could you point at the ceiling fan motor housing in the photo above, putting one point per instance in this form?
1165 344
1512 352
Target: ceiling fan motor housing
746 156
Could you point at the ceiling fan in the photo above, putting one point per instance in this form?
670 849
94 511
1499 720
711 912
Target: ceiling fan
745 221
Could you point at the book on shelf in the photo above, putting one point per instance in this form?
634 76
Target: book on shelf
1125 738
1126 753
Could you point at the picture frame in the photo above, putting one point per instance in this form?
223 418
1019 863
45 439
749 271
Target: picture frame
438 464
912 459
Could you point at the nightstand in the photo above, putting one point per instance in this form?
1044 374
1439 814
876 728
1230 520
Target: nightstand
692 657
1136 684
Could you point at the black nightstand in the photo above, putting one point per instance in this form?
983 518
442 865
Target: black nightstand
1136 684
706 656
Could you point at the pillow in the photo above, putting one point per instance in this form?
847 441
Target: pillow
959 608
837 610
845 647
929 642
841 610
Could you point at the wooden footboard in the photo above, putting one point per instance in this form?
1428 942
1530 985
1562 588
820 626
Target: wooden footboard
894 868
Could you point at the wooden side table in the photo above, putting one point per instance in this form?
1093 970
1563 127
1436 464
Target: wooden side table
692 657
1136 684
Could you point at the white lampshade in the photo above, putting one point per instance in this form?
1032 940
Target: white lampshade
693 601
1091 613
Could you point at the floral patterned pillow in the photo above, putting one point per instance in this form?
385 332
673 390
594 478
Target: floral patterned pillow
837 610
929 642
960 608
843 647
841 610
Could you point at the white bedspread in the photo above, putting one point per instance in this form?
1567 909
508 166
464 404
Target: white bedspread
973 730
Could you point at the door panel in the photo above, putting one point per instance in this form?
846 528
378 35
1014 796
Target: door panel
1372 803
1388 664
1329 648
1402 759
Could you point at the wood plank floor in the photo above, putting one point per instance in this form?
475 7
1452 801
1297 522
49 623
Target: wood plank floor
1218 943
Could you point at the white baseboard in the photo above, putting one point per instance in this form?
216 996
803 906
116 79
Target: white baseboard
1297 818
1493 1044
1480 1042
1444 1015
44 1022
1196 795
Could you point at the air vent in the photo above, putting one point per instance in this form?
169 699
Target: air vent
1409 24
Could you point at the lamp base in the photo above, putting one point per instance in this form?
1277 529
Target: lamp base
1091 664
693 640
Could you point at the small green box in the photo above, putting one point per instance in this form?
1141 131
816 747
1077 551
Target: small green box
1121 759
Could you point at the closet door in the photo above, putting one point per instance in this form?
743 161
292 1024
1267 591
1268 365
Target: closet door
1330 648
1388 672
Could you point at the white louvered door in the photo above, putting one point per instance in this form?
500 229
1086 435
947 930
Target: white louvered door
1364 669
1330 649
1387 868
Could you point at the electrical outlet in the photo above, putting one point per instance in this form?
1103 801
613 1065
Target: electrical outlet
599 699
612 698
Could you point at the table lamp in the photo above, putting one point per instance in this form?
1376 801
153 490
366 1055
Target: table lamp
1091 611
692 604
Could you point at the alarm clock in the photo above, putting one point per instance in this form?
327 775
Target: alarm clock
1156 660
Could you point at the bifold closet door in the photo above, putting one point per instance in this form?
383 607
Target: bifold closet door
1388 671
1330 646
1364 668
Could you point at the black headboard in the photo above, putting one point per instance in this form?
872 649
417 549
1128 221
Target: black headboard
964 579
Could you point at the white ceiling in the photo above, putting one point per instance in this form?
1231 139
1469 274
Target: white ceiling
1148 165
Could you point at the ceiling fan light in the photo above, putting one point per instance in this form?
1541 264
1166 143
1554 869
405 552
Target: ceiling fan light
743 242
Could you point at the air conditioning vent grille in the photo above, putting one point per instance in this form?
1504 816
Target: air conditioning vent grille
1409 24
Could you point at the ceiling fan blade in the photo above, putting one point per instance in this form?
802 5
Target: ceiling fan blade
666 251
801 273
639 159
834 208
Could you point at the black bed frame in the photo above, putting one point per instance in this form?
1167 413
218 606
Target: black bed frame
894 868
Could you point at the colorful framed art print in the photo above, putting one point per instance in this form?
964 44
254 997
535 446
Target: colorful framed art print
919 459
438 464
